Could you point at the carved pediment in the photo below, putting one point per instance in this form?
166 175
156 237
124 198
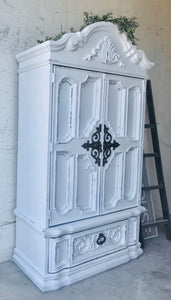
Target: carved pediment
105 52
100 42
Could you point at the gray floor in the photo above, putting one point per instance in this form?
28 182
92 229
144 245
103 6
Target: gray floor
146 278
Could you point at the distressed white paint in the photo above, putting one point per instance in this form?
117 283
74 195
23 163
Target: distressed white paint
59 181
22 23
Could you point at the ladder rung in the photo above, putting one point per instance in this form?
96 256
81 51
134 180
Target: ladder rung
152 187
159 221
149 125
151 155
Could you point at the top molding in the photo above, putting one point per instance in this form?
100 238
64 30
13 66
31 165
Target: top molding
99 46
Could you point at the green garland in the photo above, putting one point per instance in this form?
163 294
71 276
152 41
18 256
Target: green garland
127 25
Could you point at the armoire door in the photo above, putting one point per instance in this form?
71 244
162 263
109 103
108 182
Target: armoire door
123 120
76 113
97 125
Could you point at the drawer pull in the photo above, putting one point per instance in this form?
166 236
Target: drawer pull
101 239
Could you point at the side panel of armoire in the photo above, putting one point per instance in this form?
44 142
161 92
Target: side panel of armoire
32 166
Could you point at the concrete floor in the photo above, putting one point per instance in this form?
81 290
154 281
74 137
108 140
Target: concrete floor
146 278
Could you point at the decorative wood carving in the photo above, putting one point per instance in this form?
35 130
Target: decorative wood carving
84 244
72 41
106 52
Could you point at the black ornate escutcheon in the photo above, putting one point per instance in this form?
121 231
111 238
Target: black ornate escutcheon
101 239
95 145
108 144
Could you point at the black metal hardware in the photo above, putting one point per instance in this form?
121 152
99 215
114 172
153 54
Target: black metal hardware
101 239
96 146
108 144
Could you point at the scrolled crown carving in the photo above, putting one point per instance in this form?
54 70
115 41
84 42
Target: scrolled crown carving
105 52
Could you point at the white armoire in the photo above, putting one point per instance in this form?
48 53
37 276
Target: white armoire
80 146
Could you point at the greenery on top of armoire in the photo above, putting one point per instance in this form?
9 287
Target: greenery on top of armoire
127 25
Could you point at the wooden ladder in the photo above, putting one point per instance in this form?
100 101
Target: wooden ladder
159 170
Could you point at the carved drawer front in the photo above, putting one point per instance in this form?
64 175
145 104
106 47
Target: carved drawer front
99 241
70 250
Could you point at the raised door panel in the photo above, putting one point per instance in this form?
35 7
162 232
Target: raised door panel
133 113
64 174
121 173
130 174
89 108
113 182
75 179
86 181
65 129
115 109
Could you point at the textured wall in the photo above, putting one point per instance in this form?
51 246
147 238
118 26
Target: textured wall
22 23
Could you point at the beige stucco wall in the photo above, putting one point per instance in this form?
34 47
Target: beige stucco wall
22 23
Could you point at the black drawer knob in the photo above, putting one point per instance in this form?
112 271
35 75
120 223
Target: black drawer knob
101 239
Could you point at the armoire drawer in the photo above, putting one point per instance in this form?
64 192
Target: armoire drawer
71 250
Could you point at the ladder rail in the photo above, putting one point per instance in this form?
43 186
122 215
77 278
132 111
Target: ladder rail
156 149
152 125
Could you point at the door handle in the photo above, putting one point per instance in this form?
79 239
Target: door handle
97 147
